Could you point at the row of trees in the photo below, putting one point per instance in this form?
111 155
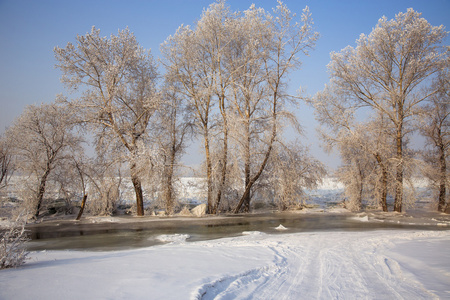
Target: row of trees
225 83
393 84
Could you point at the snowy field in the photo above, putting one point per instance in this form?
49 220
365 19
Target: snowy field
388 264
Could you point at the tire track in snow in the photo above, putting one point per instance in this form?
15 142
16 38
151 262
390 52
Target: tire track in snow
245 283
321 266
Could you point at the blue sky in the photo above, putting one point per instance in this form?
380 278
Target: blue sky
29 30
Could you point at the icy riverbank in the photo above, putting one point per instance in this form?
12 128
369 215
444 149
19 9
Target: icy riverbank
320 265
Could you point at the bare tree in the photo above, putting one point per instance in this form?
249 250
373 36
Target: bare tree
292 171
387 71
104 182
183 59
250 97
359 172
436 128
289 38
117 77
79 163
365 147
41 138
6 166
234 66
195 58
174 131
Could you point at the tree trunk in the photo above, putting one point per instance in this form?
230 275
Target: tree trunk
138 191
247 168
169 196
41 191
208 171
360 190
169 185
442 178
399 176
83 204
383 182
224 163
246 196
383 194
139 198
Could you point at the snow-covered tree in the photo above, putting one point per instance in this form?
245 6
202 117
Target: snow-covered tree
364 146
249 97
103 185
195 57
117 78
173 131
41 139
291 172
233 68
436 128
290 36
387 71
6 166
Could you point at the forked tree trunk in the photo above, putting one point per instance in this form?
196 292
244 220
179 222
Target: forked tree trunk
245 199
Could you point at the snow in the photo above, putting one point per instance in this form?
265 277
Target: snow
373 264
281 227
173 238
361 218
383 264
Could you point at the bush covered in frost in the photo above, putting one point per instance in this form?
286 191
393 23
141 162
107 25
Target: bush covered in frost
12 245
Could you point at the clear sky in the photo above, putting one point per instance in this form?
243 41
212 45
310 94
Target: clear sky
29 30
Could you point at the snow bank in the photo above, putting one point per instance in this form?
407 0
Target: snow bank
173 238
253 233
361 218
319 265
280 227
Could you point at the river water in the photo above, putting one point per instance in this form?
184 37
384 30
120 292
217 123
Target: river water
129 232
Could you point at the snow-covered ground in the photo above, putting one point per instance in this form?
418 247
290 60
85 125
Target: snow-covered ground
376 264
388 264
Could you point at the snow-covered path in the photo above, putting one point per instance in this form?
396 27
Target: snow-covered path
337 266
321 265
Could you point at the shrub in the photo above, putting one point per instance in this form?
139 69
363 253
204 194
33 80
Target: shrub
12 245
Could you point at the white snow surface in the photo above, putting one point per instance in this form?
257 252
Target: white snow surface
281 227
386 264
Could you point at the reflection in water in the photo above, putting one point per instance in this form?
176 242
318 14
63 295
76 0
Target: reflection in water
117 236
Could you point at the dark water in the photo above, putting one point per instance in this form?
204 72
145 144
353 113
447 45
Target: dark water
135 234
